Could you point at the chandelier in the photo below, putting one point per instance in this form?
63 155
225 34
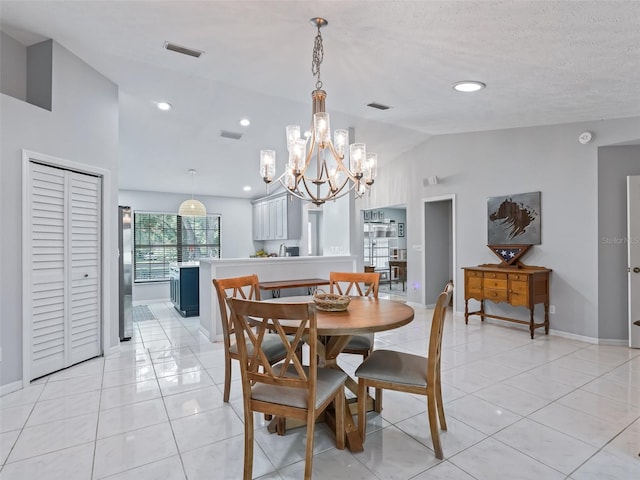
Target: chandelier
334 177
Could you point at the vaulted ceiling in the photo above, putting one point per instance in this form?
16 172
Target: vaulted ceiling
544 62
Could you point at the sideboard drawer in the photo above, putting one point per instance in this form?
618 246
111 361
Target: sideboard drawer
497 284
474 274
519 277
495 295
495 276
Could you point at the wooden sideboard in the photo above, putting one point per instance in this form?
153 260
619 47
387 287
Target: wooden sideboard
519 286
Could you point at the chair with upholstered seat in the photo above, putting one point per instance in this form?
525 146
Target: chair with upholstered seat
363 284
245 287
405 372
286 389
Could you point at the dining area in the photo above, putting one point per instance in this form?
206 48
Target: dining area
289 349
514 408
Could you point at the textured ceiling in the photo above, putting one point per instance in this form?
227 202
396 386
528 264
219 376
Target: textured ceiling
544 62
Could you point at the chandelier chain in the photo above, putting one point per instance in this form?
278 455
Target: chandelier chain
318 56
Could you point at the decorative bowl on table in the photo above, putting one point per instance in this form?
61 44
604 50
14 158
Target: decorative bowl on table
330 302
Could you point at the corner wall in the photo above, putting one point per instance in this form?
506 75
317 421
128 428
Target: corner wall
81 127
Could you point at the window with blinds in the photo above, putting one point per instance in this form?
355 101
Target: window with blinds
162 238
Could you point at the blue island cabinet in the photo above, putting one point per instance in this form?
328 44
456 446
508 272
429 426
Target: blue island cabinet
184 285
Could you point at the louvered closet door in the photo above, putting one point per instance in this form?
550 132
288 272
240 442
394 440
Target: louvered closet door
47 269
84 289
66 255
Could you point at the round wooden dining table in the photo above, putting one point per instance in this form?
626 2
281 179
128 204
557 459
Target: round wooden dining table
364 315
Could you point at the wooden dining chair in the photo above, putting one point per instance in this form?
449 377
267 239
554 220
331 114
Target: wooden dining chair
286 389
245 287
363 284
405 372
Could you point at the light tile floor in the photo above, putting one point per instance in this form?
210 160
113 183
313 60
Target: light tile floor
516 409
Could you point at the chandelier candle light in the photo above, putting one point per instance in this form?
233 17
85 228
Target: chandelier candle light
333 179
192 208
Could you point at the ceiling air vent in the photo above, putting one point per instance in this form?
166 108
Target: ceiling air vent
184 50
228 134
379 106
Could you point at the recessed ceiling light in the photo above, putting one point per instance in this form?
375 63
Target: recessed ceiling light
245 122
246 188
164 106
468 86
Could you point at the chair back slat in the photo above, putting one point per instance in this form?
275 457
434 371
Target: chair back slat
245 287
437 328
363 284
294 323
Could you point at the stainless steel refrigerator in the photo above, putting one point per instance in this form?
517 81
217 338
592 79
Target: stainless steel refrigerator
125 260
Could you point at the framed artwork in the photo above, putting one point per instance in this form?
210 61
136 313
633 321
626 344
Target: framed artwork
367 215
401 229
514 219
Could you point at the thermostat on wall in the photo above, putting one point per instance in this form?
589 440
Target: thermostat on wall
585 137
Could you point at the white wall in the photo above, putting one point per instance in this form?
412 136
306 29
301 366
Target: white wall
82 127
475 166
236 227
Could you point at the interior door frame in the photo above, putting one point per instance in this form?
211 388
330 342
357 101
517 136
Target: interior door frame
425 201
105 267
632 244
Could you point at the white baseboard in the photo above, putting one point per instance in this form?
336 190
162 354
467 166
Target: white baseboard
614 341
559 333
573 336
10 387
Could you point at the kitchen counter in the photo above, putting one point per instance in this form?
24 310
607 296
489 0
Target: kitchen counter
268 269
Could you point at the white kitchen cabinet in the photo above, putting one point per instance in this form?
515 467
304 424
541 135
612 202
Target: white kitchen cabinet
277 218
265 220
257 221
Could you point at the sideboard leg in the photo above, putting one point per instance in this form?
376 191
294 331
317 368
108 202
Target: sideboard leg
546 319
531 324
482 310
466 311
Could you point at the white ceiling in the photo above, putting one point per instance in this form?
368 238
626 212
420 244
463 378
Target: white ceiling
544 62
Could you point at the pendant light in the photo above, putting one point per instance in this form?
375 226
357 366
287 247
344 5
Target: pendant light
192 208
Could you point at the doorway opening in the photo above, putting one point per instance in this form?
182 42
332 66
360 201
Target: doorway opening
385 248
438 246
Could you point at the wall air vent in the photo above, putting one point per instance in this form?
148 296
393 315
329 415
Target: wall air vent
228 134
184 50
379 106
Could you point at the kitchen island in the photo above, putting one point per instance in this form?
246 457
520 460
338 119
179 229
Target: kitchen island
268 269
